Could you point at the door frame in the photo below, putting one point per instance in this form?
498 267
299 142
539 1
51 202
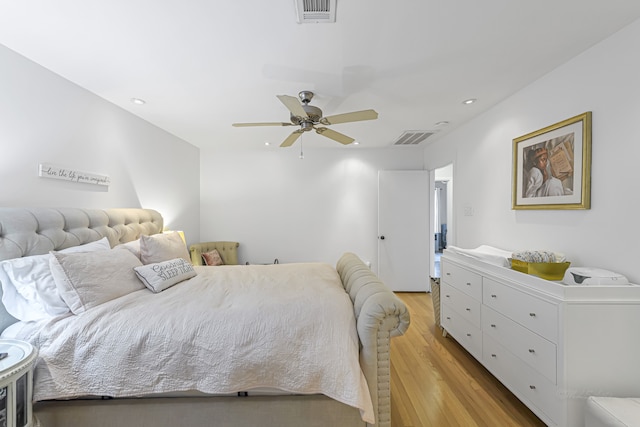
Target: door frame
436 174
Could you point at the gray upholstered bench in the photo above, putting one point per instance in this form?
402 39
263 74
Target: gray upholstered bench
612 412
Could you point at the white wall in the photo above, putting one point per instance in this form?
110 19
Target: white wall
603 80
47 119
278 206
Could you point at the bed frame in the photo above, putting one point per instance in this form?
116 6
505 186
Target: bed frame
380 315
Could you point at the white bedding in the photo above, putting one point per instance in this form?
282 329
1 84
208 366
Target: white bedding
234 328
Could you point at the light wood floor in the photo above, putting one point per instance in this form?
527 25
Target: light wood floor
435 382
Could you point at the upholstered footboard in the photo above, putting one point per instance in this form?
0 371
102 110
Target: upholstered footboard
380 315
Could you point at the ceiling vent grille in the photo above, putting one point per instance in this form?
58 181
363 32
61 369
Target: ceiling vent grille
315 11
413 137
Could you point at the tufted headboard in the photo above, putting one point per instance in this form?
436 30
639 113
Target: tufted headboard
35 231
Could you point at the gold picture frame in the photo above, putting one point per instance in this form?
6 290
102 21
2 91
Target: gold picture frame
552 166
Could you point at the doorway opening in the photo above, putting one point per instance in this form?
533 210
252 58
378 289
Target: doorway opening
442 213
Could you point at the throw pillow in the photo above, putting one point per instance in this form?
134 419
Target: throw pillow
212 258
133 247
162 275
162 247
88 279
29 290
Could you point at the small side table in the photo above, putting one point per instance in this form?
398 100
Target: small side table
16 383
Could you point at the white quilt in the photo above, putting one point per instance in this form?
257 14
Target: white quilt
229 329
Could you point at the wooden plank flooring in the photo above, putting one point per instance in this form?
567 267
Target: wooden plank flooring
435 382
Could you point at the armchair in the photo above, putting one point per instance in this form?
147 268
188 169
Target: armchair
228 251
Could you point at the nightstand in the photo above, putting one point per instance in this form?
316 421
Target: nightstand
16 383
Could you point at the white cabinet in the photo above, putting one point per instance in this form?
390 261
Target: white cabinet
552 345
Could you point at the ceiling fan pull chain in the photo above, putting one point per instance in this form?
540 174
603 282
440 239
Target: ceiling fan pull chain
301 153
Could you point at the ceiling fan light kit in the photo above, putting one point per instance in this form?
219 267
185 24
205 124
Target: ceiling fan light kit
308 117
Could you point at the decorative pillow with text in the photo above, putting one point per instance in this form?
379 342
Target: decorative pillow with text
162 275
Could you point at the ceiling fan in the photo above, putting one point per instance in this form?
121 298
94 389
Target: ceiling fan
309 117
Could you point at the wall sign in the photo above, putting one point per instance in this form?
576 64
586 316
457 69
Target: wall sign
49 171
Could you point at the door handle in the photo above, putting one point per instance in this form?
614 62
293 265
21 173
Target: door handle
381 237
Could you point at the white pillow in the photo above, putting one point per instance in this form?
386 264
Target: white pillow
88 279
133 247
162 275
29 292
162 247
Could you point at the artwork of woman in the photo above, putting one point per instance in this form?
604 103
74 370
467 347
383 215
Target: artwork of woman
539 182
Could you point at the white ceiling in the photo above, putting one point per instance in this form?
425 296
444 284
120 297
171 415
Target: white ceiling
204 64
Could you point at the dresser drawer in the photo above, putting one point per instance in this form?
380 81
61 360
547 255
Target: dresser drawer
467 334
539 394
533 313
463 279
462 303
531 348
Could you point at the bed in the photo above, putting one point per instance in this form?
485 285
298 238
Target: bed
282 345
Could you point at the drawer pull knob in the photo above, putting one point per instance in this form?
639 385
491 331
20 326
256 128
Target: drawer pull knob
494 355
531 351
493 325
448 318
448 274
494 296
468 309
448 296
532 314
532 387
468 283
468 335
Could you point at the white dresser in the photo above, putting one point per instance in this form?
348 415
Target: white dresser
552 345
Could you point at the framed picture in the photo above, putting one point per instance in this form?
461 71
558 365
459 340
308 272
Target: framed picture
552 166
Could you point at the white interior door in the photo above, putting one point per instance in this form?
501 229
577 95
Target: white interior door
403 230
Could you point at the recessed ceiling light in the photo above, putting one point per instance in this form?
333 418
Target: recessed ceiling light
138 101
356 143
469 101
442 123
267 143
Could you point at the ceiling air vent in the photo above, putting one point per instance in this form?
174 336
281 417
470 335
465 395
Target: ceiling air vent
315 11
413 137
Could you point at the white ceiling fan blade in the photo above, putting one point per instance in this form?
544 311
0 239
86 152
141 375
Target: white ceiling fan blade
240 125
355 116
293 104
336 136
292 138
